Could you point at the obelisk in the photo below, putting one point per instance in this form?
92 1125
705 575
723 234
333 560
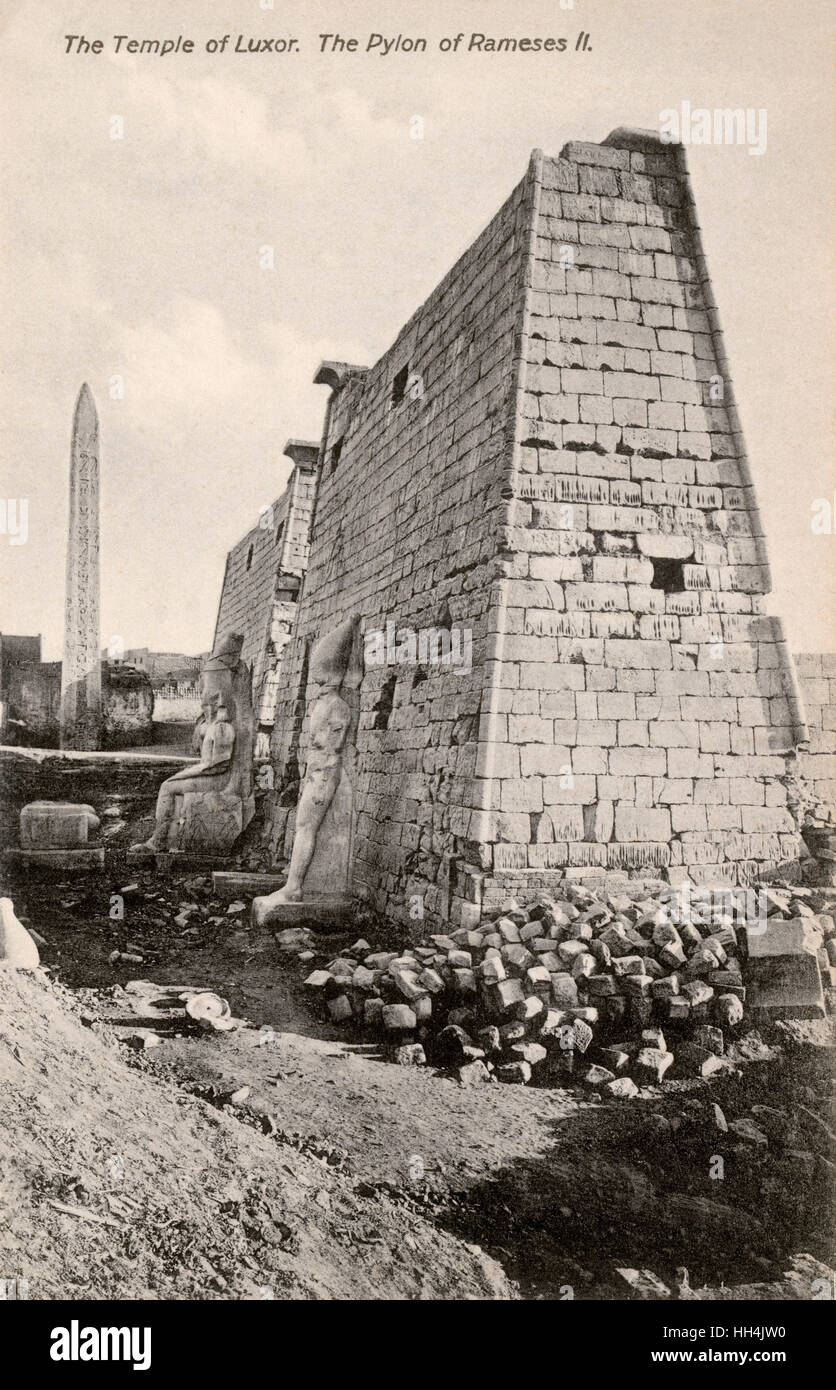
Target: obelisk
81 672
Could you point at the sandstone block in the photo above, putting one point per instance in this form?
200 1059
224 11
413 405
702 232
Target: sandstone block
514 1073
651 1064
595 1075
782 974
398 1018
621 1088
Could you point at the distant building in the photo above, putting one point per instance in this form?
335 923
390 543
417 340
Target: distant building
30 699
174 679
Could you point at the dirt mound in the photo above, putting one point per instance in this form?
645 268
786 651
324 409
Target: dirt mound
118 1185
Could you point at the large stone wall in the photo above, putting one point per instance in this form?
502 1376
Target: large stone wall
817 760
550 458
406 526
262 577
634 624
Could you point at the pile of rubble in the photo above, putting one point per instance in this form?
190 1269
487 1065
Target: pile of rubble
614 990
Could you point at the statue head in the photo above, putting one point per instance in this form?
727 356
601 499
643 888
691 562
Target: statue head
227 653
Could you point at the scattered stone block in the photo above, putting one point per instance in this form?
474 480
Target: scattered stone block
512 1032
697 992
564 990
621 1088
473 1073
615 1058
318 979
643 1284
339 1007
398 1018
635 986
782 976
489 1039
651 1064
552 1021
373 1012
451 1044
530 1052
514 1073
747 1131
594 1075
529 1009
672 955
710 1039
601 985
627 965
508 930
363 978
423 1008
693 1060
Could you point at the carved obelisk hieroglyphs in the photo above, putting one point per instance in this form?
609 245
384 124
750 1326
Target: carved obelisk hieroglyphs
81 672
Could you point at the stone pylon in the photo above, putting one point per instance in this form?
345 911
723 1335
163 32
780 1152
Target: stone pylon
81 678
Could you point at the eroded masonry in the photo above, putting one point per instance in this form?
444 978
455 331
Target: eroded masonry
548 466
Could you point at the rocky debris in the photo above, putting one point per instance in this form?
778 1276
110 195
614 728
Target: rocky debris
157 1190
140 1039
806 1279
209 1009
643 1284
163 1011
614 990
819 835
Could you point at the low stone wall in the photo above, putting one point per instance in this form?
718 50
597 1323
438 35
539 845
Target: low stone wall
127 780
180 709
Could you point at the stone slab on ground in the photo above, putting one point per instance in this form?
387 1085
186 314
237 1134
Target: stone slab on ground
60 860
230 883
173 861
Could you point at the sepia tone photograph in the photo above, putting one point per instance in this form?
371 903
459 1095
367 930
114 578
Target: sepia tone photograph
418 663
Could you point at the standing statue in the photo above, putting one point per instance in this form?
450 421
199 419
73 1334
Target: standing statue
204 808
320 862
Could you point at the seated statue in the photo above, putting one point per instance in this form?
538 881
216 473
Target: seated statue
204 808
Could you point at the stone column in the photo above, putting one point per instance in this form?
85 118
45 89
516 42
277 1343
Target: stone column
81 678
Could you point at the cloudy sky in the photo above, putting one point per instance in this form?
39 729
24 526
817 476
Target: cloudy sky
140 257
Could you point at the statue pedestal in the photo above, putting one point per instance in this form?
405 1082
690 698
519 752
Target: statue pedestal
56 835
318 911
